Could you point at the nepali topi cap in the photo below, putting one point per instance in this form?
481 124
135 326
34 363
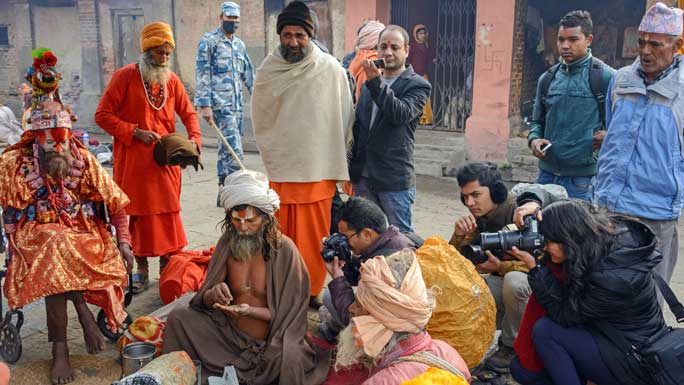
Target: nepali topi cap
663 20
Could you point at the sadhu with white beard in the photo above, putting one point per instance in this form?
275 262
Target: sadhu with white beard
138 108
251 311
386 342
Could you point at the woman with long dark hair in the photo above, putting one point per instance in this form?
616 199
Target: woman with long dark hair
596 274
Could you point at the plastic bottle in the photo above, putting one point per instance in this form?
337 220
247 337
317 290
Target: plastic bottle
85 138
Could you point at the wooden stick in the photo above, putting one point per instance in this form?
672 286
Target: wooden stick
220 134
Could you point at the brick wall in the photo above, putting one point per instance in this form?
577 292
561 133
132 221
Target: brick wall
15 14
518 55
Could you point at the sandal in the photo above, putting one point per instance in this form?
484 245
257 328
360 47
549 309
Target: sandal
139 282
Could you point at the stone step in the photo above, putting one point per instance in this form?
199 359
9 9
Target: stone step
438 153
427 166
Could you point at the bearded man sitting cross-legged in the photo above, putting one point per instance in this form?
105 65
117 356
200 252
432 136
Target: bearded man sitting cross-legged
251 311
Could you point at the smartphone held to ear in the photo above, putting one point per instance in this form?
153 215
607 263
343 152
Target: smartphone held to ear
546 147
380 63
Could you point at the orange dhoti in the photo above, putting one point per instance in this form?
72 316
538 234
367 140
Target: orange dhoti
304 216
156 235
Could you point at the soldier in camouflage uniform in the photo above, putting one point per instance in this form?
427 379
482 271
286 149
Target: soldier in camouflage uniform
222 66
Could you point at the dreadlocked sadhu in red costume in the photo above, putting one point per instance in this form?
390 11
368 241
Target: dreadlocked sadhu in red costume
54 195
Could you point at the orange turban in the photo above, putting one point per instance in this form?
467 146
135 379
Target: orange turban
156 34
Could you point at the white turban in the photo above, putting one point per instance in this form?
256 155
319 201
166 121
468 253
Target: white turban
247 187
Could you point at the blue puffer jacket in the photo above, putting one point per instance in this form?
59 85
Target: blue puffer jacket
641 163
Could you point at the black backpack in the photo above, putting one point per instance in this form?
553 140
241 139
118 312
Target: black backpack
662 355
596 84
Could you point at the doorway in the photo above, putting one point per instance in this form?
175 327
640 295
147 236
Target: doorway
127 23
451 26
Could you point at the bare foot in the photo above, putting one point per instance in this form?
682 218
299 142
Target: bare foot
94 340
61 372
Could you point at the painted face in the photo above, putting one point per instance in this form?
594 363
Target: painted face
393 49
161 55
54 140
246 221
656 52
477 199
572 43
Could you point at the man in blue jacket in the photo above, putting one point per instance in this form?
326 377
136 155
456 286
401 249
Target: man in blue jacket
641 164
568 110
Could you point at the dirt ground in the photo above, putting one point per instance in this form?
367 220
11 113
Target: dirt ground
436 207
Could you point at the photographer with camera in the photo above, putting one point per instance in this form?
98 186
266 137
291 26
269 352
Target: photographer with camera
364 233
492 208
596 286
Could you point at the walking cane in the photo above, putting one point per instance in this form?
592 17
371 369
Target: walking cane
220 134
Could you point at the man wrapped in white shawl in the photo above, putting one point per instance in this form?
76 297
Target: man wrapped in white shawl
303 115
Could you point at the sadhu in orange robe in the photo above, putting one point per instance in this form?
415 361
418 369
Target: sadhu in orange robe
54 252
155 223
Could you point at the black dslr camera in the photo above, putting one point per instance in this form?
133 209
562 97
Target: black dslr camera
528 239
336 245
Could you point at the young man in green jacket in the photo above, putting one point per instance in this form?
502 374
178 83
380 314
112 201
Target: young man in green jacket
567 123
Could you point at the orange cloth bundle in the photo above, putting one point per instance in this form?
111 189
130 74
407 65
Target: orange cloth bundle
185 272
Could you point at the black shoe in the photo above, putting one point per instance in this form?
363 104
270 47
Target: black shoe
500 361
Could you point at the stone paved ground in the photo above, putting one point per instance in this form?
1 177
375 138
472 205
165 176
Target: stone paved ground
436 207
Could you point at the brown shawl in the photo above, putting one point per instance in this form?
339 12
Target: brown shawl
286 358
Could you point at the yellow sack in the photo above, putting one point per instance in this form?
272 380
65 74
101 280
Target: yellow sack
465 315
434 376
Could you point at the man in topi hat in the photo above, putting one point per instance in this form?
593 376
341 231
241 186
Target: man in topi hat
251 311
640 166
137 108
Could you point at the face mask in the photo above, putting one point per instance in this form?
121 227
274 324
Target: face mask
230 26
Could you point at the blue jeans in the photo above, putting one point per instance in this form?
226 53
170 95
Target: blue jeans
577 186
395 204
570 356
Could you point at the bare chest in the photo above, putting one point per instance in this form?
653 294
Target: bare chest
247 280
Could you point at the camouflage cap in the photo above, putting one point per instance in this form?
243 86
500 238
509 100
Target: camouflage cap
229 8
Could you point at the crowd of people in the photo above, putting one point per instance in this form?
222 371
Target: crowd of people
579 261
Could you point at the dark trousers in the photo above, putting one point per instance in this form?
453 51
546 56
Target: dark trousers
570 356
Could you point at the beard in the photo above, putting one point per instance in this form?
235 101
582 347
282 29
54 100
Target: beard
348 354
245 246
54 164
295 55
153 72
